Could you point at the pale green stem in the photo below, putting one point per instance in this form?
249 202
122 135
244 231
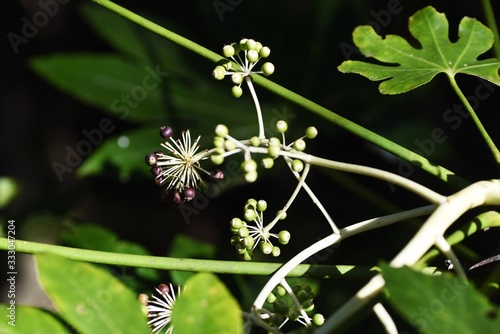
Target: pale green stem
302 178
482 130
391 147
385 319
290 292
262 134
483 221
192 265
398 180
331 240
492 24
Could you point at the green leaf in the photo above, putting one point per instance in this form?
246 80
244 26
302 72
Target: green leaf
95 237
30 320
126 158
89 298
439 304
436 55
108 82
206 307
184 246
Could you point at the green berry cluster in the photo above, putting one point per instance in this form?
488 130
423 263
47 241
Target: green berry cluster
246 54
247 236
285 309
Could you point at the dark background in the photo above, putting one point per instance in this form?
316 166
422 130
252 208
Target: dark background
37 122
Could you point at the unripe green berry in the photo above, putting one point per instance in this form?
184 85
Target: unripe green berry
297 165
266 247
219 72
230 145
236 223
274 150
281 214
235 240
308 305
255 141
252 56
280 307
243 232
251 177
217 159
306 287
251 204
271 298
221 130
236 78
293 314
302 295
249 165
284 237
250 215
311 132
274 141
299 145
258 46
243 43
280 290
267 68
261 205
226 64
236 47
265 52
318 319
268 163
247 256
281 126
228 51
237 91
251 44
248 241
276 251
219 142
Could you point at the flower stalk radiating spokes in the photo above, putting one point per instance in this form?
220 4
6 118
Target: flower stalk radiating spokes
160 309
179 169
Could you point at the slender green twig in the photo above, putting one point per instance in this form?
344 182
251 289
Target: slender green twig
194 265
482 130
401 152
492 24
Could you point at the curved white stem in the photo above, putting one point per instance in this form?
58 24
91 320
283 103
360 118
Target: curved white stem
257 107
477 194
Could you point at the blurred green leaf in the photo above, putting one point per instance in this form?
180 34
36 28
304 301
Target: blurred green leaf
439 304
116 86
31 320
126 158
9 189
437 54
89 298
184 246
206 306
95 237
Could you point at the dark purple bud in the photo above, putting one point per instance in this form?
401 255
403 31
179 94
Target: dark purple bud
166 132
159 153
189 193
151 159
216 175
177 197
156 170
163 289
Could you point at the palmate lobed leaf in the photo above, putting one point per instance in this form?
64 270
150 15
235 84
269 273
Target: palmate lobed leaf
436 55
